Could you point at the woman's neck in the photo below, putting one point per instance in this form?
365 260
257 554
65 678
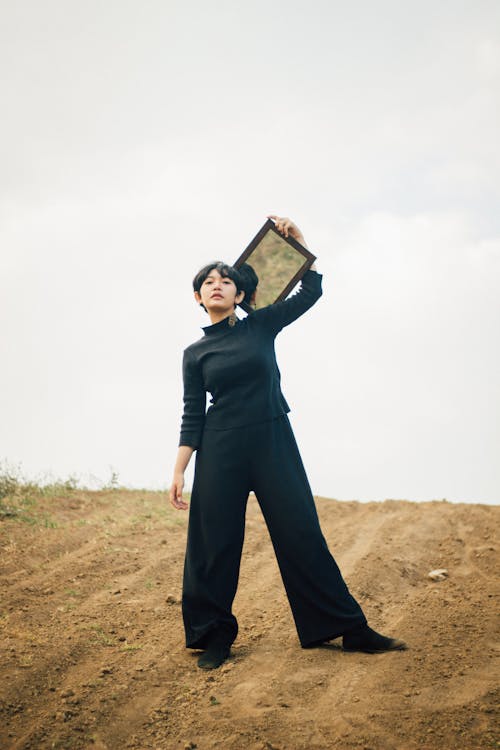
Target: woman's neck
216 317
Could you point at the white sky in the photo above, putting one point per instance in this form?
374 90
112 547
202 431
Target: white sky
140 140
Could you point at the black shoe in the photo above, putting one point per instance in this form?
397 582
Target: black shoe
216 652
363 638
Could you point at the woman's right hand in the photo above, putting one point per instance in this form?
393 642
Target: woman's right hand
183 456
176 492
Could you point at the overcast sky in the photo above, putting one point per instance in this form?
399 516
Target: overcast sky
140 140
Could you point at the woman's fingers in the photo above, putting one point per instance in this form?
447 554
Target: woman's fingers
181 505
278 220
279 223
284 225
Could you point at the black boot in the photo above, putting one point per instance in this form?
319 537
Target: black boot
363 638
216 652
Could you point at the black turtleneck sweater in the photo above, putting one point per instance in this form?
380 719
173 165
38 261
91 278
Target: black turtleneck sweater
237 366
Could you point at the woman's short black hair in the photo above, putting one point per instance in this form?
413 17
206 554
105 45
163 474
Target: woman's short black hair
225 271
250 280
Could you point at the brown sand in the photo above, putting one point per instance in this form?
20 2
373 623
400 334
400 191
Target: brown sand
92 642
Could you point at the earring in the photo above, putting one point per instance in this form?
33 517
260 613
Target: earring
232 319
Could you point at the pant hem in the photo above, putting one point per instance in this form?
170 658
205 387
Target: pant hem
202 640
330 636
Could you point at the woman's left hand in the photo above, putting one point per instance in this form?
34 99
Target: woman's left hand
286 227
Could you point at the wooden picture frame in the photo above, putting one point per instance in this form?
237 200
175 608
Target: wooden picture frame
279 262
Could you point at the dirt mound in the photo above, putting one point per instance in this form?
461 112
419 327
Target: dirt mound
93 653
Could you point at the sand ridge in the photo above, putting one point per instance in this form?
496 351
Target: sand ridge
93 652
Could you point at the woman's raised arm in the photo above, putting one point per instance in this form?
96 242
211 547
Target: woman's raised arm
280 314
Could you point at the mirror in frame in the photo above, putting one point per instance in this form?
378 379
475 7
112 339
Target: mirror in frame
279 262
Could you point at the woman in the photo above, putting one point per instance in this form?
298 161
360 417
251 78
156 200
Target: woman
244 442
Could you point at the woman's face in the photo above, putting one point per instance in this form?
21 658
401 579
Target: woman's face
218 293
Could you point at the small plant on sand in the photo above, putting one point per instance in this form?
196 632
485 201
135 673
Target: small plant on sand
60 487
20 497
113 482
72 592
101 637
9 482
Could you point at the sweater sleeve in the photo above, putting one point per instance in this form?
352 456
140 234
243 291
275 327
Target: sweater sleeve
281 314
193 417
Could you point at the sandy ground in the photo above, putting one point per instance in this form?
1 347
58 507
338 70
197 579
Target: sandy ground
92 643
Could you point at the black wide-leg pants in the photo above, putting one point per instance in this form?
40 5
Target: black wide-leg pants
263 457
